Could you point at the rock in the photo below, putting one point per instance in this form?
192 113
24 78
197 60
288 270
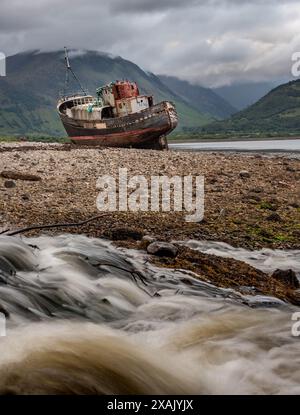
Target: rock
244 174
162 249
14 175
9 184
288 277
146 241
252 196
256 190
148 238
124 234
290 169
295 204
217 189
274 217
25 197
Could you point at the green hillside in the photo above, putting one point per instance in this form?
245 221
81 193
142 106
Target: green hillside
276 113
29 92
203 99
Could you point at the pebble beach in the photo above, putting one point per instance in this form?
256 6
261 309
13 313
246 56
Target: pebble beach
250 200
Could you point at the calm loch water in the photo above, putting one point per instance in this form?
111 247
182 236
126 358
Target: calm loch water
292 145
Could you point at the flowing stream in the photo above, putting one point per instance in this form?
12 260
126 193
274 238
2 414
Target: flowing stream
86 317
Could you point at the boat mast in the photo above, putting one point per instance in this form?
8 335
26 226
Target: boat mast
69 69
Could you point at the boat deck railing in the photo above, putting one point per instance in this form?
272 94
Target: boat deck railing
73 94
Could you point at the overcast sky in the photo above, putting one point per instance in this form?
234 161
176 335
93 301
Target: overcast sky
210 42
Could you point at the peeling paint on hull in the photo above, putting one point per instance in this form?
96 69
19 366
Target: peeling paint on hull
148 138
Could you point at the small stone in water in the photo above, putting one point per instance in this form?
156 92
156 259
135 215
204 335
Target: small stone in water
288 277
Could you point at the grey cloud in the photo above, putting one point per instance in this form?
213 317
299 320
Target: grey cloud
210 42
138 6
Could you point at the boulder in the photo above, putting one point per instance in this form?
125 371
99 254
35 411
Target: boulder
288 277
9 184
162 249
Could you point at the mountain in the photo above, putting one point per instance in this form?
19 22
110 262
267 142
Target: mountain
29 92
242 96
203 99
278 112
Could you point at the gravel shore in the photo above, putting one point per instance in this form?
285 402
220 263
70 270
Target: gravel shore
250 200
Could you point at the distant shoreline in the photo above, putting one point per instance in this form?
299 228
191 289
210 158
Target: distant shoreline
228 139
240 151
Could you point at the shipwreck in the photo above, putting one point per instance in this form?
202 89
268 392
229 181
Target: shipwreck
118 116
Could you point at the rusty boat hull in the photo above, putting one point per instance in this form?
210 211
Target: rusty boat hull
146 129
